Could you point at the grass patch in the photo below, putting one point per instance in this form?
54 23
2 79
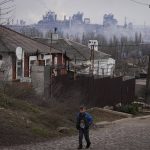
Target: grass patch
99 115
15 104
24 106
42 132
23 121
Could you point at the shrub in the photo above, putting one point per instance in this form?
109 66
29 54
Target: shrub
19 90
4 101
130 108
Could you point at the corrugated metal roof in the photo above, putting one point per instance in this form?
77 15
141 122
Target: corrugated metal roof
74 50
10 40
84 50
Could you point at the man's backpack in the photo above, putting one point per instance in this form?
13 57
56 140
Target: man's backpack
89 118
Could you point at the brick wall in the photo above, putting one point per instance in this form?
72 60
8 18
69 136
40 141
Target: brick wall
13 67
59 59
26 65
63 68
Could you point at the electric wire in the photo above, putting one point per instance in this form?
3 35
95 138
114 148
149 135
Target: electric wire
6 1
7 8
141 3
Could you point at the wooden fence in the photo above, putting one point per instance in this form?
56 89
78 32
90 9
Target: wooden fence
96 92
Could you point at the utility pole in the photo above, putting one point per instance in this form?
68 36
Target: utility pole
75 68
92 60
98 69
102 72
0 15
51 67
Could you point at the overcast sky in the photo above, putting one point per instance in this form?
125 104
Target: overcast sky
32 10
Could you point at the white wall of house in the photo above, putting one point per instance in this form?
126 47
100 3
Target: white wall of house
103 67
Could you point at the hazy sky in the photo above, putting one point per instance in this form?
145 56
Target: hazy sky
32 10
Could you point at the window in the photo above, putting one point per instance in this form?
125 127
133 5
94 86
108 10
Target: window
19 68
55 60
1 57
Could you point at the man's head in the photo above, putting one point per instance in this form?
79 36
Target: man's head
82 109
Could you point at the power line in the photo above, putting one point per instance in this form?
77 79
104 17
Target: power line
6 13
141 3
6 1
125 45
6 8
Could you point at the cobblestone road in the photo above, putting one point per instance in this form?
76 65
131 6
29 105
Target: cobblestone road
128 134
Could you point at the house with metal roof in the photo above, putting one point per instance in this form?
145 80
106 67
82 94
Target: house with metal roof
81 58
18 53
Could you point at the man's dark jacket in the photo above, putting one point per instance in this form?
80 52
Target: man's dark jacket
86 117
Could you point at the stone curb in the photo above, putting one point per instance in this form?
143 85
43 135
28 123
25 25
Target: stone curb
113 112
118 113
104 124
143 117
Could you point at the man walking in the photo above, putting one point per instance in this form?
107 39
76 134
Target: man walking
84 121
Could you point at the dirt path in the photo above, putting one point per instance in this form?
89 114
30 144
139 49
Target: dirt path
128 134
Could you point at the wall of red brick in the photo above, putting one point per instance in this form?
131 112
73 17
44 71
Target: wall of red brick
26 65
14 67
59 59
62 62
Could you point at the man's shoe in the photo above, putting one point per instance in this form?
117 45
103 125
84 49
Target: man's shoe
88 145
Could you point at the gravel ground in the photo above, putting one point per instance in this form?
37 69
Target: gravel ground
126 134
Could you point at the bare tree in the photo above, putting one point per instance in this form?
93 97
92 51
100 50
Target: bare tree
5 68
7 9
